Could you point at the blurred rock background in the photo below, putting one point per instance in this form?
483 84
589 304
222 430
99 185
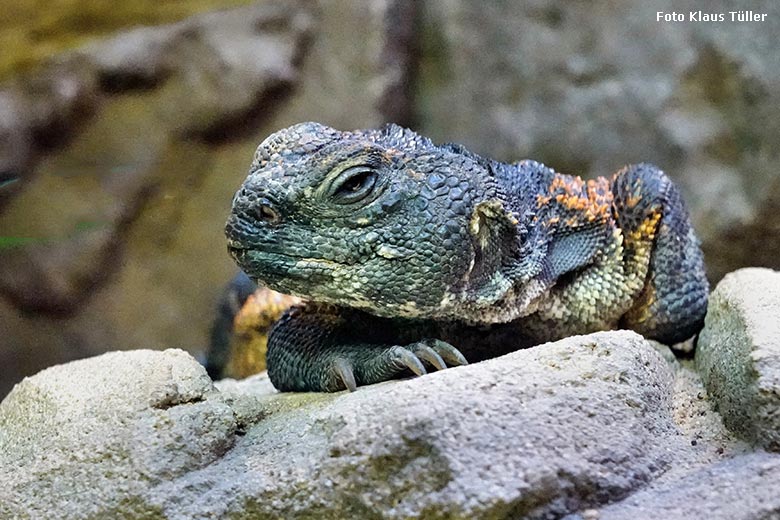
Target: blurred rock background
126 128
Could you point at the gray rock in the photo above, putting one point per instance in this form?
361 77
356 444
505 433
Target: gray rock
235 65
696 418
536 434
92 438
346 84
39 112
738 354
138 58
742 488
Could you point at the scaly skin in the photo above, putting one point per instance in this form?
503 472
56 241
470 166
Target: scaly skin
404 248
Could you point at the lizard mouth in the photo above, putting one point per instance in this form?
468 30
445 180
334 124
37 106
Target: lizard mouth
287 260
241 251
270 266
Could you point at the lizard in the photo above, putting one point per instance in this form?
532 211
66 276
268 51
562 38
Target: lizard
411 256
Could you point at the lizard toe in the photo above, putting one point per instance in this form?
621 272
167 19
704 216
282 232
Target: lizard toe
450 354
429 355
345 374
405 358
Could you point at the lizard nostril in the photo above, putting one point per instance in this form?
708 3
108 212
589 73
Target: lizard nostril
264 212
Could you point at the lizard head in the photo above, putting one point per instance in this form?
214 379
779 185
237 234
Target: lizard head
371 219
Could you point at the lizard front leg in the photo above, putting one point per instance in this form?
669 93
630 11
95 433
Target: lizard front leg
317 347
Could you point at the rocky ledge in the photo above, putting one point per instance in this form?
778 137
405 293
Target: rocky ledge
604 426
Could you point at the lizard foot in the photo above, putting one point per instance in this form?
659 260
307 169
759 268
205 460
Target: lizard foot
395 361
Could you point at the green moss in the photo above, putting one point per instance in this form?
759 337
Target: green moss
32 30
131 508
11 242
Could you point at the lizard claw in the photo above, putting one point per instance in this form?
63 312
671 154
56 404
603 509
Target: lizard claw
426 353
406 358
343 370
349 372
450 354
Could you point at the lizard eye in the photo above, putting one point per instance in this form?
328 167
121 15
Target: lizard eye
354 184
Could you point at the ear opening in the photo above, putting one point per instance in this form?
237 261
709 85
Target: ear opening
496 241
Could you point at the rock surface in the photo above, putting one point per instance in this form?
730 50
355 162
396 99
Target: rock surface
538 433
742 488
738 354
606 426
92 438
56 272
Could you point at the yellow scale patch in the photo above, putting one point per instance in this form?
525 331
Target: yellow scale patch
643 310
646 231
251 326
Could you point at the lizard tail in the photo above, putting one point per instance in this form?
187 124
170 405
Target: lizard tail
661 247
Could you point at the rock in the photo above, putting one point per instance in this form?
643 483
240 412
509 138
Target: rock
589 87
535 434
696 418
15 145
59 100
93 437
39 112
742 488
738 354
136 59
374 79
223 82
234 64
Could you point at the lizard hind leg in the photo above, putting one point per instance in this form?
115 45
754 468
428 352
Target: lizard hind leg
661 247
